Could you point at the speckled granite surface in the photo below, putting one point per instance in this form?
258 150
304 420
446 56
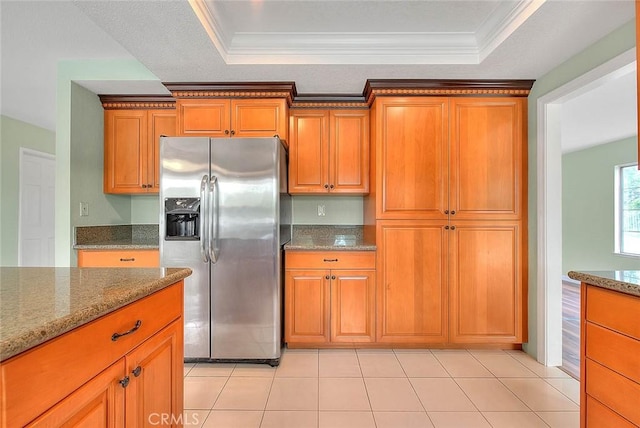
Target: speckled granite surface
321 237
117 237
38 304
624 281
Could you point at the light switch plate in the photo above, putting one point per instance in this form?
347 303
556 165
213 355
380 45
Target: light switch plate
84 209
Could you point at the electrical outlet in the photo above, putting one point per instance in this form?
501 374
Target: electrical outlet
84 209
321 211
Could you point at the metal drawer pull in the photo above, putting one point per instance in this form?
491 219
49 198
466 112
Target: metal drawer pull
124 382
330 260
116 336
136 372
131 259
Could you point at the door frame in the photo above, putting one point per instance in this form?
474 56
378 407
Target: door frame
38 154
549 201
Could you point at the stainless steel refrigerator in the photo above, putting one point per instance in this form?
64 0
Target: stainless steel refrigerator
225 213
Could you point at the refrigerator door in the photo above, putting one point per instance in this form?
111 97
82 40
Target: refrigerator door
184 163
246 278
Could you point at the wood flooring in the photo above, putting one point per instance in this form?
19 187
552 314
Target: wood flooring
571 328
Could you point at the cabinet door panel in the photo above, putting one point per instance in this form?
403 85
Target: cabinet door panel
307 306
161 122
259 118
412 156
125 151
309 152
207 118
487 156
156 372
352 306
486 283
99 403
349 151
412 291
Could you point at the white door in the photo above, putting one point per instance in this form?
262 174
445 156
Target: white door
36 246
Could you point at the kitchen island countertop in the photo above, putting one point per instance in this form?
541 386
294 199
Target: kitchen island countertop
40 303
624 281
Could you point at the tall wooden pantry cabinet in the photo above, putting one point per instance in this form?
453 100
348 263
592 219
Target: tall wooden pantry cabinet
448 207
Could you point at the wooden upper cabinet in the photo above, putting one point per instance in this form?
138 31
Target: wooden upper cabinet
125 145
412 154
329 152
239 118
132 149
161 123
488 155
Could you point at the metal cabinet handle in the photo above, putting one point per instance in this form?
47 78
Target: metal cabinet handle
116 336
226 132
446 227
453 228
333 277
330 260
453 212
446 211
136 372
233 132
326 277
124 382
326 186
331 186
130 259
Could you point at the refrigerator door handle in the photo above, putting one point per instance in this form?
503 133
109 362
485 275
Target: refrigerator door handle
213 219
204 218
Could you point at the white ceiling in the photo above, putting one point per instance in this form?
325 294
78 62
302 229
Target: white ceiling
324 46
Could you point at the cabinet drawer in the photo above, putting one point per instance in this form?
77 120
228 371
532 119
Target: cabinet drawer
613 350
613 390
613 310
119 258
601 416
54 369
330 260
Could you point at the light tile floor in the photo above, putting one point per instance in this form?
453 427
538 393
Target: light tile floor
382 389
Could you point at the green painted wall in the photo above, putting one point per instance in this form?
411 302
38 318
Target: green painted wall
338 209
145 209
86 155
68 135
588 207
15 134
614 44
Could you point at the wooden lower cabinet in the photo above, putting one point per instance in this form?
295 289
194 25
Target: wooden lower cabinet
84 378
118 258
487 299
325 305
412 282
609 347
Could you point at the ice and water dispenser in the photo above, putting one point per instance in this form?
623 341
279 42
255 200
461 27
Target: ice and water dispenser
182 219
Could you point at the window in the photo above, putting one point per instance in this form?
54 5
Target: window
628 209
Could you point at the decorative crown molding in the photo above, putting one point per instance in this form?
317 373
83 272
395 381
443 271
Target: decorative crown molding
132 102
285 90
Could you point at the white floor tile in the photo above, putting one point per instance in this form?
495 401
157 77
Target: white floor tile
202 392
421 365
461 364
490 395
392 394
343 394
289 419
402 420
502 365
253 370
569 387
293 394
380 364
244 393
441 395
212 369
233 419
339 363
458 420
346 420
539 395
298 364
561 419
514 420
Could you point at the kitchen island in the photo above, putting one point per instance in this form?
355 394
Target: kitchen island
609 348
97 344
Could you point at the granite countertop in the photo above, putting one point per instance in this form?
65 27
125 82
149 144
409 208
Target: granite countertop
624 281
117 237
331 238
38 304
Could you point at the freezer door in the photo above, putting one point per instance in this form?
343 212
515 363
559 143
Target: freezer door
184 162
246 278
